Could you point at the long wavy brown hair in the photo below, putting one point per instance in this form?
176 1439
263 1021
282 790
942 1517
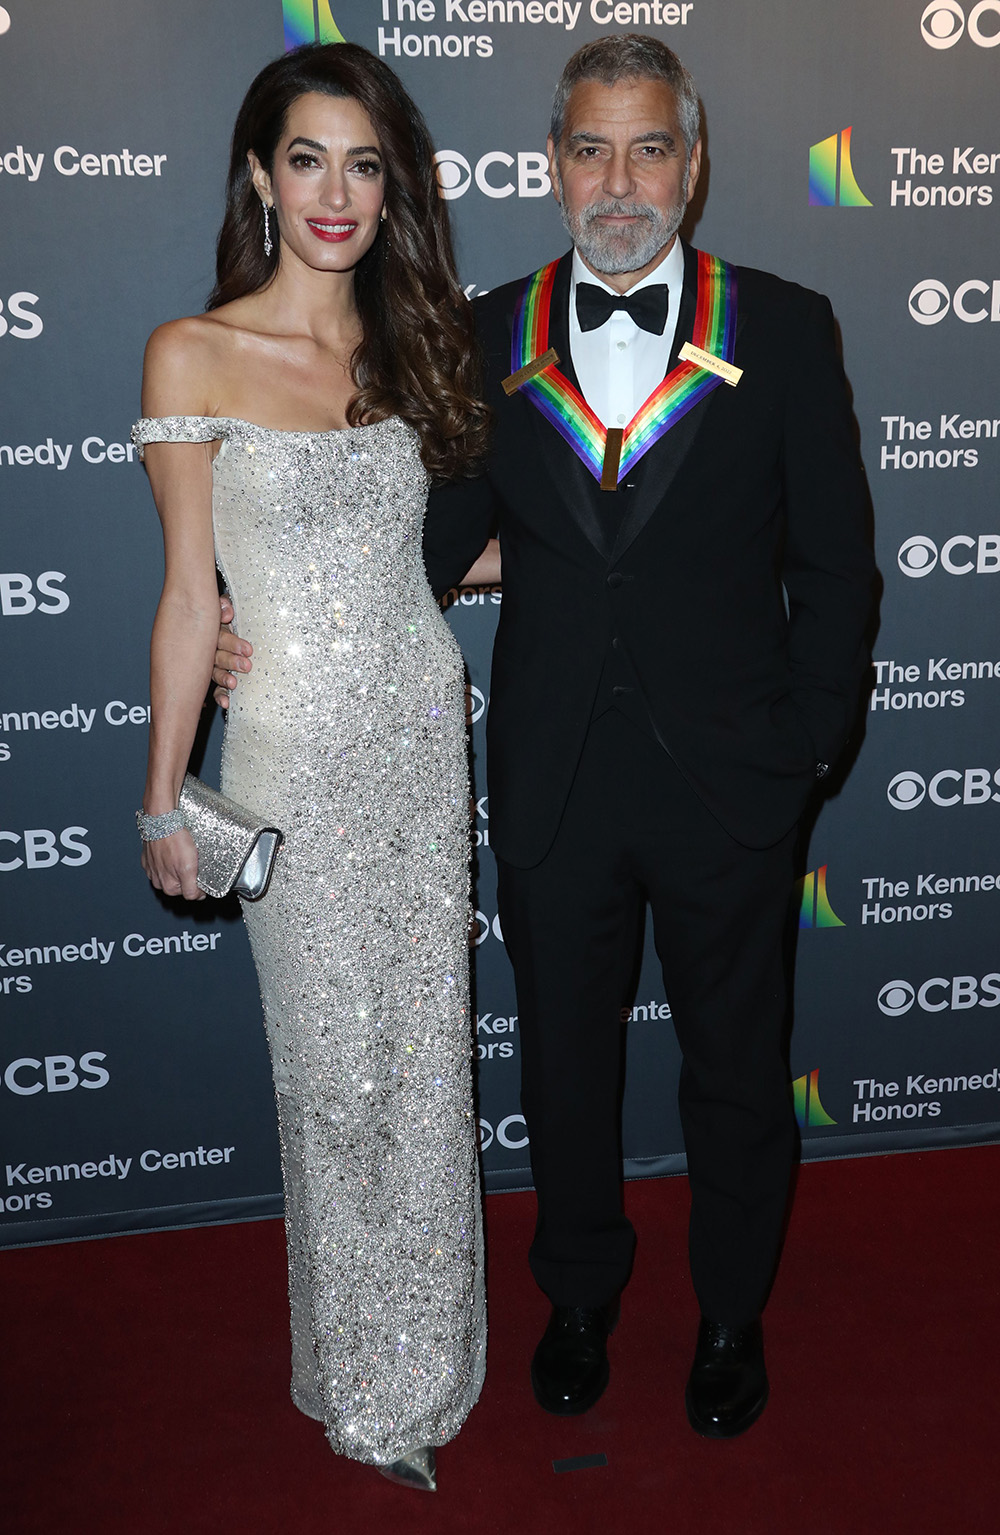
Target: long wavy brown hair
418 357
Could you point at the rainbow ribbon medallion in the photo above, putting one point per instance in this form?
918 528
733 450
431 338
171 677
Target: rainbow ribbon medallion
682 389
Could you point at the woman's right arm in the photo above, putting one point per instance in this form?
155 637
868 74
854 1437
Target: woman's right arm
176 382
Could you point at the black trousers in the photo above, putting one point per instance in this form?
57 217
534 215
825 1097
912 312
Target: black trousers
634 831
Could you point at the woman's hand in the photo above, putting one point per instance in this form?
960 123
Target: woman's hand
172 865
232 655
486 570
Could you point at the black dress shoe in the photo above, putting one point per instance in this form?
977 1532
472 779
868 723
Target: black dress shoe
570 1367
727 1389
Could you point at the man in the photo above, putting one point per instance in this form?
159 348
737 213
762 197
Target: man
660 708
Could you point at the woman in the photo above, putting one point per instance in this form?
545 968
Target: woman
303 415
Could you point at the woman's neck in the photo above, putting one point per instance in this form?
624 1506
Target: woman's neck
320 305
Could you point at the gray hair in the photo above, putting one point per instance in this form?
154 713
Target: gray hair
629 56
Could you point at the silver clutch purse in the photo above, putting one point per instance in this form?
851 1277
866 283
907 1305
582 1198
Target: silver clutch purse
236 848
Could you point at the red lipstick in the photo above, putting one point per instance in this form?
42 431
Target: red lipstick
333 231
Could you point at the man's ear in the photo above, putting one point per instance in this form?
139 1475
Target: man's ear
693 168
550 150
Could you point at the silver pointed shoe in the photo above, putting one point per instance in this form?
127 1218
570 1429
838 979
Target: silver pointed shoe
415 1469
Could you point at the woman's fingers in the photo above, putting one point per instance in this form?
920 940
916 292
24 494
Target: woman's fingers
172 865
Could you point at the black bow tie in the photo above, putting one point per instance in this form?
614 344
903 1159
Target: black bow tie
647 306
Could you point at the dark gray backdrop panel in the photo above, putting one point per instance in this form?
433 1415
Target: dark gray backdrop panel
894 1044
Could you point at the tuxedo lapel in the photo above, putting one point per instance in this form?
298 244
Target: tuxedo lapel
572 481
655 472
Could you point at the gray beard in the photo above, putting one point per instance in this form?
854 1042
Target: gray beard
613 252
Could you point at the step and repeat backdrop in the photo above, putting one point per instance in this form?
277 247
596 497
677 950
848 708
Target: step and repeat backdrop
853 148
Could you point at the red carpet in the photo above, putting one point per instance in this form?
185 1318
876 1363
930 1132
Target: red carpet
145 1383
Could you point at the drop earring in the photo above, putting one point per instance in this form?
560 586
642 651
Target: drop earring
268 247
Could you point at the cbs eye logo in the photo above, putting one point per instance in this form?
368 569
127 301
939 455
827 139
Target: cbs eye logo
917 556
906 791
475 703
896 998
944 21
929 301
454 173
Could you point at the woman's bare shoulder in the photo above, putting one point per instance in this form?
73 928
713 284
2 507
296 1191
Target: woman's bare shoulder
199 341
185 366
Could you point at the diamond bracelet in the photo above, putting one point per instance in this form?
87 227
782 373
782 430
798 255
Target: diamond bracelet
153 827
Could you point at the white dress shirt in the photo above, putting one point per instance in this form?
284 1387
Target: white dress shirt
619 364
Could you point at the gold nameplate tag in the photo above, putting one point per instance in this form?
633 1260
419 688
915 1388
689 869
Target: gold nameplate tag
727 371
537 365
612 458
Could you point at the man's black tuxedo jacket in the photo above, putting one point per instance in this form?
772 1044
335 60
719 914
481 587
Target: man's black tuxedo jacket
758 487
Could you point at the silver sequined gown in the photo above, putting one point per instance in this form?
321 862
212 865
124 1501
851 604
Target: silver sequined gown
350 733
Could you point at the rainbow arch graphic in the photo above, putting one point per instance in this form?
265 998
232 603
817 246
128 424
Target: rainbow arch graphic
809 1110
826 189
309 21
815 909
